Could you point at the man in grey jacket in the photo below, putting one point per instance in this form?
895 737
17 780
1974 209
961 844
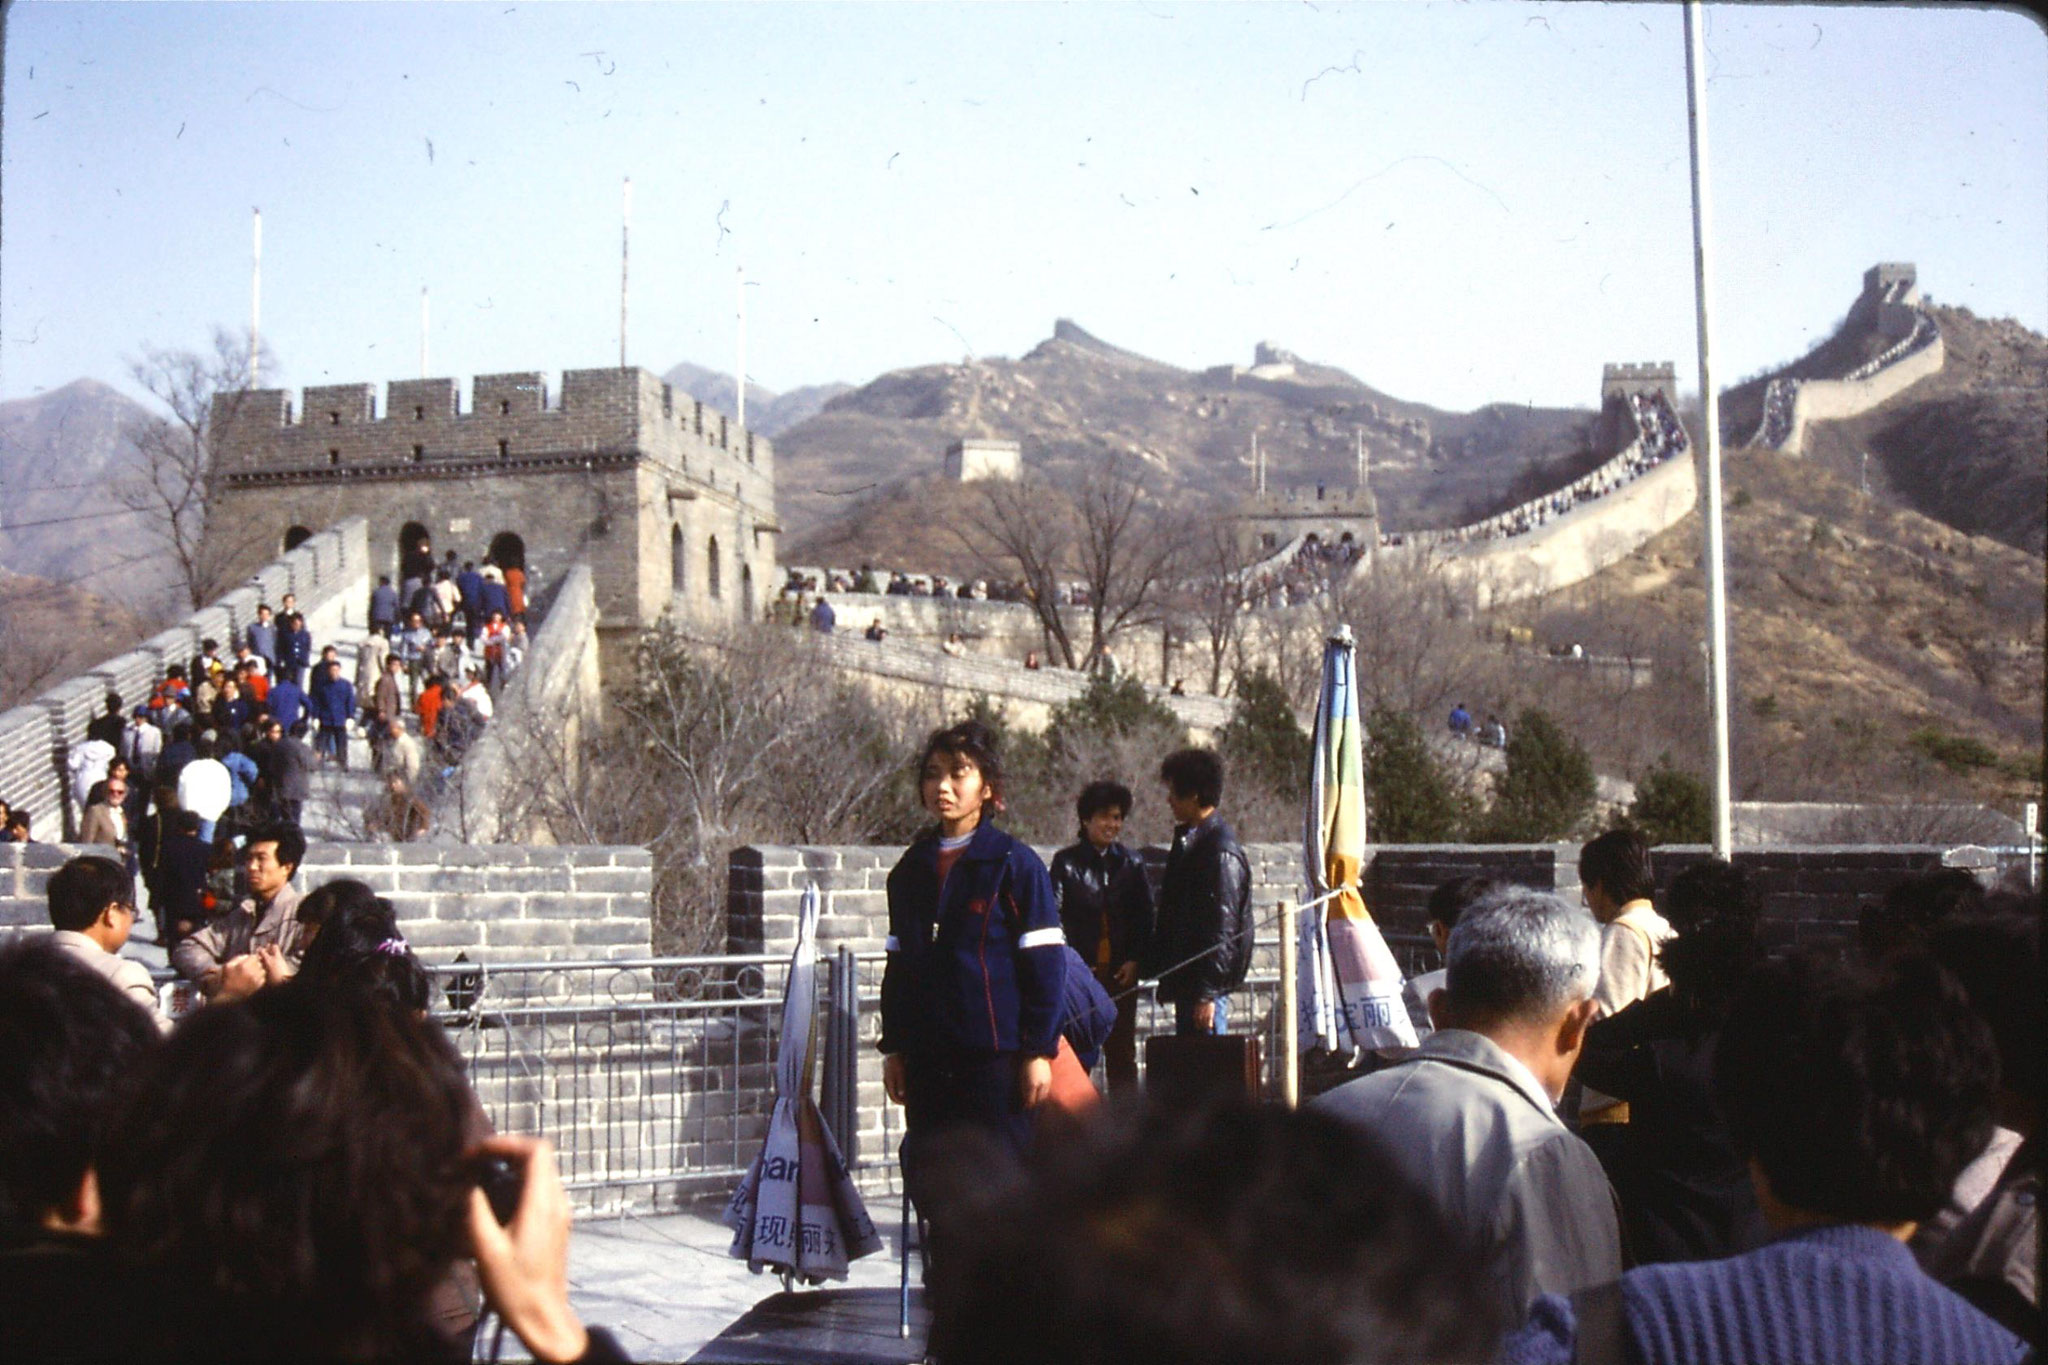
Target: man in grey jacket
1470 1115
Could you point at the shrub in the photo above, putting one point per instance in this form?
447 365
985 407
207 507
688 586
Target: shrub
1957 753
1672 806
1410 797
1547 792
1263 743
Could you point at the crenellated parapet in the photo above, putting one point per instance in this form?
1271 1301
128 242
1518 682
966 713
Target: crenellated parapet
671 503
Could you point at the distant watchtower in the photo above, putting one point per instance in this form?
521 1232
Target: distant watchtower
1334 516
1617 383
974 459
671 504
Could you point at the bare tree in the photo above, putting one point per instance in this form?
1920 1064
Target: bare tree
176 487
1126 549
1024 529
1212 596
1416 641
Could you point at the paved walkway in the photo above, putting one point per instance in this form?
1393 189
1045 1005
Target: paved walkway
666 1288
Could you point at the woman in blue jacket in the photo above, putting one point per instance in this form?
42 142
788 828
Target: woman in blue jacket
972 994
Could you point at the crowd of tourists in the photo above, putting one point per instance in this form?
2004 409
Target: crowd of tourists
801 586
1304 575
1634 1128
1659 437
231 738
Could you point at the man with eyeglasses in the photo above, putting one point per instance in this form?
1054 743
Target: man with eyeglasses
92 906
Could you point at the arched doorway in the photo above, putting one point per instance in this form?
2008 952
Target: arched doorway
747 590
415 551
295 537
711 572
508 551
676 576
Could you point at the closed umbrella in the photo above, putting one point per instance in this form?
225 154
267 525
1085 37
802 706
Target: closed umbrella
1353 996
796 1210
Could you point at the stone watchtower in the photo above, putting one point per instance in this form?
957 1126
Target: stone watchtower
1334 516
1617 382
671 504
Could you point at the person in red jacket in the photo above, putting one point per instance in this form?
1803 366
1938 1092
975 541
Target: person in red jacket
973 989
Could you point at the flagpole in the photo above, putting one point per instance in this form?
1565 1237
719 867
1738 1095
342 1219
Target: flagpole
1710 411
256 297
739 364
1290 1007
423 331
625 259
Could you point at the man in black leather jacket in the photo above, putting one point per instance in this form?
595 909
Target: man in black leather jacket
1106 911
1202 946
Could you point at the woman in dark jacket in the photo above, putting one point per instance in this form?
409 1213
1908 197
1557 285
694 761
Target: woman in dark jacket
1106 910
973 989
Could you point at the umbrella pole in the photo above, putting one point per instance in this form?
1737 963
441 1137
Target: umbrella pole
1290 1007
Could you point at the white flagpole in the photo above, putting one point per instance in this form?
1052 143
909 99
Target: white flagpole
423 331
1710 411
625 257
256 298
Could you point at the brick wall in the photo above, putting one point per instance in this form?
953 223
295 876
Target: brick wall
328 574
1811 896
537 720
497 903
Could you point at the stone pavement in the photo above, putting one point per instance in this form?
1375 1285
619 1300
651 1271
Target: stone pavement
665 1288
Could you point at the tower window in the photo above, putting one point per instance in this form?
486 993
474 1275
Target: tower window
505 406
504 449
334 456
334 419
418 453
419 413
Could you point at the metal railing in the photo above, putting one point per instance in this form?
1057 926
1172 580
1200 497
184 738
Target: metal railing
655 1077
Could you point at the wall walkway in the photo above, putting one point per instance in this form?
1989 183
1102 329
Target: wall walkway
328 573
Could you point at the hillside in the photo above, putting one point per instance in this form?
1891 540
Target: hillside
1967 446
61 454
1875 651
1075 397
53 631
768 412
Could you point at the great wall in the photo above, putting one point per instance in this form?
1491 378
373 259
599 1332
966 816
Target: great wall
555 941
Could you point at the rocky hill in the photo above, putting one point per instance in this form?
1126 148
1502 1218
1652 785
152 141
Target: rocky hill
1876 652
61 455
1075 397
768 412
1967 446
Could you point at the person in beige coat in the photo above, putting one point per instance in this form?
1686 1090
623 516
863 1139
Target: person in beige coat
92 908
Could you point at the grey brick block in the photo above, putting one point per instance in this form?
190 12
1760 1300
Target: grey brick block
443 934
617 881
517 933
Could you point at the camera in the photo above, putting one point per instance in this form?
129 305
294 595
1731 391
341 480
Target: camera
501 1182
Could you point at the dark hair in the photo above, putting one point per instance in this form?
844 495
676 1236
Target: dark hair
1860 1097
1194 772
971 740
1451 898
85 886
96 793
289 838
1232 1234
291 1167
189 822
70 1045
1097 797
202 747
1910 910
1619 861
1996 954
358 948
1709 959
1710 890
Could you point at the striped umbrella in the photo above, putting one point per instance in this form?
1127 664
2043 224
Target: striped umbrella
1353 987
796 1210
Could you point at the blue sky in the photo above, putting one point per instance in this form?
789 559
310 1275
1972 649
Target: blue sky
1460 203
